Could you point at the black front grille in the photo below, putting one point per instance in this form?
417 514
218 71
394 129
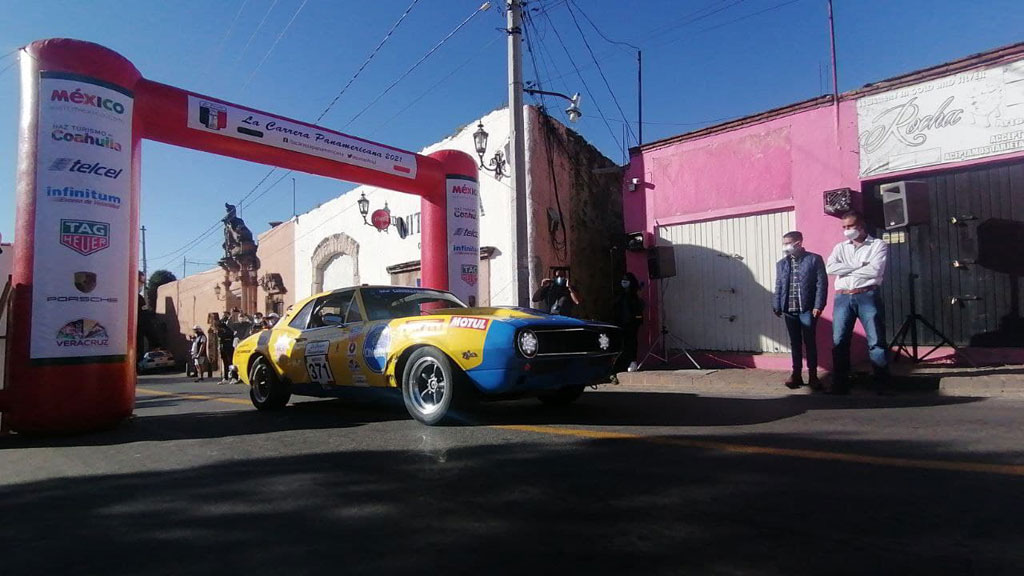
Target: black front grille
577 341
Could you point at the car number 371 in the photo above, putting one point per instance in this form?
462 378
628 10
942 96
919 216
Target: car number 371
319 370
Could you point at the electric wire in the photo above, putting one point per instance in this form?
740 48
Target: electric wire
256 31
367 61
274 45
220 44
600 71
729 22
583 80
417 64
430 90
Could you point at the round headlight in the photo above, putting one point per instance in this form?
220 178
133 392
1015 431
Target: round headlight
604 341
528 343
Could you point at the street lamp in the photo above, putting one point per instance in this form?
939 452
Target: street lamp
573 111
497 162
364 207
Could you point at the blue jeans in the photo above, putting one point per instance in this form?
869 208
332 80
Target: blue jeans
802 327
848 308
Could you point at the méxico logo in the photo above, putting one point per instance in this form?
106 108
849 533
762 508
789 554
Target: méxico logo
85 236
82 332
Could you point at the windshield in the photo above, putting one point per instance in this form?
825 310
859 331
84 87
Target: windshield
398 302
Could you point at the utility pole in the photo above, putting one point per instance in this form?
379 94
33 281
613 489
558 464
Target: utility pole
183 262
518 151
293 197
639 98
835 73
145 269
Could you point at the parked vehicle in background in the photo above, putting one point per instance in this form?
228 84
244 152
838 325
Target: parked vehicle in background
156 360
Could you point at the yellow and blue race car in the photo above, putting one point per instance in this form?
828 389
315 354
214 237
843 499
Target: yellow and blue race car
440 352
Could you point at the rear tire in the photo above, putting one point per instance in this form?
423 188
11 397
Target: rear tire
562 396
267 392
430 386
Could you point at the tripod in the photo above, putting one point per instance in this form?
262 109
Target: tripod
899 342
664 337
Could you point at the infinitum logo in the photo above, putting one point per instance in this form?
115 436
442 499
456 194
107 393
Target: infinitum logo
83 196
96 169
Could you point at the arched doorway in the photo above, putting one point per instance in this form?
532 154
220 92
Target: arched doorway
335 262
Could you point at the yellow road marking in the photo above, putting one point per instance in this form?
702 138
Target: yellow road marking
192 396
947 465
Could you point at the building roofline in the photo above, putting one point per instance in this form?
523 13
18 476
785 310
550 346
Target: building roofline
974 61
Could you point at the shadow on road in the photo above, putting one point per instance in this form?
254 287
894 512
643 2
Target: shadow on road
585 507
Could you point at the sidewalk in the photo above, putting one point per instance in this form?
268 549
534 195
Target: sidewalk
995 382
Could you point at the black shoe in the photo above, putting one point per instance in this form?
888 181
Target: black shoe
794 381
814 383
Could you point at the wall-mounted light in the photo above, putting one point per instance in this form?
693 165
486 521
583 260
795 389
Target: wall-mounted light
364 207
497 162
633 184
573 111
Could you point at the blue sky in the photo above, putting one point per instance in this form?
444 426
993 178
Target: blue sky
704 61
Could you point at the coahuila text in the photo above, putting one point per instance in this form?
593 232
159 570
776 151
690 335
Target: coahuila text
103 141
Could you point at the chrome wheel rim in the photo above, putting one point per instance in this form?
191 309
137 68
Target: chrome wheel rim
428 387
260 382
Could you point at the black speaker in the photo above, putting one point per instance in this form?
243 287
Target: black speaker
904 204
661 262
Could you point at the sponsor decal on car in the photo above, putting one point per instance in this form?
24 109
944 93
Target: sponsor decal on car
375 348
424 327
469 322
468 354
317 347
351 349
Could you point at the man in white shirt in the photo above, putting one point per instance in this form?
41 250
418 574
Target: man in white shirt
858 263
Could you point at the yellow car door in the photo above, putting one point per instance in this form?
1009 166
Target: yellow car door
368 342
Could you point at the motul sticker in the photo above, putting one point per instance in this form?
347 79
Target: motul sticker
469 322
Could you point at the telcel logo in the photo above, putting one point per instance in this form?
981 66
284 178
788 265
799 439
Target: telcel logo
73 165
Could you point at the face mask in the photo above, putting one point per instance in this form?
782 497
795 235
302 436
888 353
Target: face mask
625 283
851 234
788 248
560 281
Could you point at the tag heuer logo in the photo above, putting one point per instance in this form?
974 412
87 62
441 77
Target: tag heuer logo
85 236
85 281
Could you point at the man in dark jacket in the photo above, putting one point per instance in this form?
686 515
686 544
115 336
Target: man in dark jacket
801 290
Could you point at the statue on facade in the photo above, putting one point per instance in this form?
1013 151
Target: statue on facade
240 262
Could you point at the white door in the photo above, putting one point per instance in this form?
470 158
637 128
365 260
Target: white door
721 296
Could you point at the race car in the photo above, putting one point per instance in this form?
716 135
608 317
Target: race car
438 351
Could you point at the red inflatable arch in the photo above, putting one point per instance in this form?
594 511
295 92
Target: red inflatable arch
84 111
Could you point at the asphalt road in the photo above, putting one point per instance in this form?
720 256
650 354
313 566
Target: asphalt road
629 481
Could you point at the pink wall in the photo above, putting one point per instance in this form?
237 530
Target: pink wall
786 162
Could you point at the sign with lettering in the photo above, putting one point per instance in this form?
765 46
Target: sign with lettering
463 196
210 115
971 115
83 220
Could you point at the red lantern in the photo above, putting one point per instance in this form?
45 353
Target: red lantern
381 219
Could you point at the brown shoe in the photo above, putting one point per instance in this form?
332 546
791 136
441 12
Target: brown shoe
814 383
794 382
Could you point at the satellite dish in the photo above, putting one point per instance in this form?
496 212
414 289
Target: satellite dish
401 227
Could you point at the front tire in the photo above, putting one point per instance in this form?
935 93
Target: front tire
562 396
267 392
429 386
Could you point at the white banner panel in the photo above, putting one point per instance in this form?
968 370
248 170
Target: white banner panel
83 213
227 120
463 237
962 117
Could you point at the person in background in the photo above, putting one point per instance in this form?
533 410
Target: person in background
200 357
226 345
559 296
858 263
801 291
629 315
